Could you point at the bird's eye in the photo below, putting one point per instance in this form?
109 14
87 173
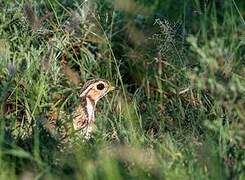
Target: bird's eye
100 86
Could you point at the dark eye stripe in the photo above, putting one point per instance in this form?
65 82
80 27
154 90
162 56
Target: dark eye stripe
100 86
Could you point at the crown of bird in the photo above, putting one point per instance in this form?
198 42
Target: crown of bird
91 93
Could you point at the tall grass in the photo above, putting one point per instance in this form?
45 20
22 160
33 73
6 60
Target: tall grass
179 113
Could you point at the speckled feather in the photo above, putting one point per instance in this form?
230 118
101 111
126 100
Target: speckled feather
84 115
80 117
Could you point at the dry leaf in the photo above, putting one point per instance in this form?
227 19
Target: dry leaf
72 75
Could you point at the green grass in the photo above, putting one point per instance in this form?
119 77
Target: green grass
180 68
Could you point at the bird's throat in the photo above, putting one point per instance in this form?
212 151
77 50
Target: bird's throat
90 108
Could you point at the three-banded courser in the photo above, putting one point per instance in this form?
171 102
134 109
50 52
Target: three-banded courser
84 115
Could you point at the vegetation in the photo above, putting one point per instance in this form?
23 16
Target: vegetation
180 68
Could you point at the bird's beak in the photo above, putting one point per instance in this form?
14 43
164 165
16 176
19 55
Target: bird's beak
111 88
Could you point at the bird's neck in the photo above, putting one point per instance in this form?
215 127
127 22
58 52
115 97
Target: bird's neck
90 108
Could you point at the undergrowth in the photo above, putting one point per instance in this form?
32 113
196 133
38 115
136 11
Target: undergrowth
179 66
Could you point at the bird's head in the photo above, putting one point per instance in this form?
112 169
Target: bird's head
96 89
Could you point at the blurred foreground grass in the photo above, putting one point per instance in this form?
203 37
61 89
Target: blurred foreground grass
179 113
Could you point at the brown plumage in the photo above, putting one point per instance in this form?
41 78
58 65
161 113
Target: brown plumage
84 116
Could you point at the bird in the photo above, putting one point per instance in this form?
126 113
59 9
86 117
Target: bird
67 129
84 115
